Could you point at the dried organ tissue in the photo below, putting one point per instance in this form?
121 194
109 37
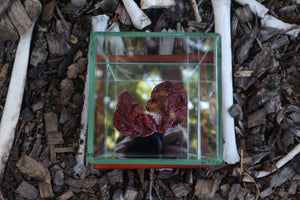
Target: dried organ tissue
168 103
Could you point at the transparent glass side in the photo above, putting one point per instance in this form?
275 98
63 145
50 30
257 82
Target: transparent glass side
137 63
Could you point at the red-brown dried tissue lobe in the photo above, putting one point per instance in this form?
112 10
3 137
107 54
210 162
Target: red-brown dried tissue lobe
169 101
130 117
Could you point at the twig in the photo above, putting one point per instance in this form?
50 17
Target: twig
253 181
222 22
99 23
280 162
242 162
16 89
141 173
60 15
157 192
149 193
196 11
170 193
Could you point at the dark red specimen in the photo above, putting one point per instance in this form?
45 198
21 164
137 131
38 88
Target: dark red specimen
169 101
130 117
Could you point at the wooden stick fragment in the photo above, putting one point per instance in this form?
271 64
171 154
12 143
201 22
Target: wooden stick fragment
273 22
222 23
280 162
196 11
256 7
138 18
149 193
146 4
165 187
268 20
99 23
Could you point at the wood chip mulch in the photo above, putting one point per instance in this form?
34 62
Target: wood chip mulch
266 74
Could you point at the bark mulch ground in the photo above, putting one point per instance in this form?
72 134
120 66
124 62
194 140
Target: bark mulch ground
266 74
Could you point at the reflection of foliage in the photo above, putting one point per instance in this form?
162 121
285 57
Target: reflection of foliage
110 142
139 80
144 88
206 102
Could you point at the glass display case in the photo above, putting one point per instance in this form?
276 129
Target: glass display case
154 100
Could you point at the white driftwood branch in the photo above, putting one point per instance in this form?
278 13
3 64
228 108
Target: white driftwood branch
256 7
222 26
268 20
15 92
99 23
138 18
146 4
14 97
280 162
273 22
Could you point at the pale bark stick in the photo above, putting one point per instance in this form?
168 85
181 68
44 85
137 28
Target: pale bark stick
280 162
138 18
99 23
222 26
256 7
268 20
273 22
